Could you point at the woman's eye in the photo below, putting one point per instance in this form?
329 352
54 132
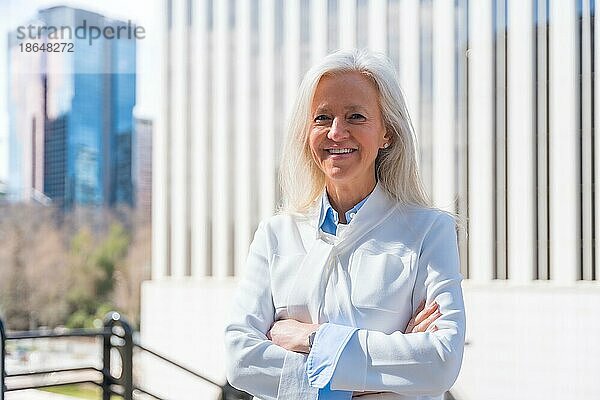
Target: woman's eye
357 116
321 118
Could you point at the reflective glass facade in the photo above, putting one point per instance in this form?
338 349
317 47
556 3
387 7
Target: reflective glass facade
88 97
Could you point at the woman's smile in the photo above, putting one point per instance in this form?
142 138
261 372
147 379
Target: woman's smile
341 153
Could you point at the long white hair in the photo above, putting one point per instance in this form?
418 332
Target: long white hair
302 181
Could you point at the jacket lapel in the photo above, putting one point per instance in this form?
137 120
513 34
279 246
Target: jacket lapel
306 297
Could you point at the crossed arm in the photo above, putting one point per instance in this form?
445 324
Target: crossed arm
293 335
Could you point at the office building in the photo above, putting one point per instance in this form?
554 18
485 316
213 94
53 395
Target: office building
71 121
501 97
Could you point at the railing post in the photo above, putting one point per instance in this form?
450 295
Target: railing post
127 359
2 360
228 392
106 376
121 338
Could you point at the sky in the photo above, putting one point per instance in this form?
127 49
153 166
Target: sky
146 13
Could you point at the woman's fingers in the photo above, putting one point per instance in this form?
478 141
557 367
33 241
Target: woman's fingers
424 314
423 318
423 325
420 308
411 323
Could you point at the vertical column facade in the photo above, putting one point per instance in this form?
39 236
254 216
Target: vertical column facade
291 52
243 196
318 29
596 166
542 140
587 163
481 142
199 143
444 106
347 24
410 65
520 143
378 25
221 218
161 167
534 176
179 139
266 94
564 155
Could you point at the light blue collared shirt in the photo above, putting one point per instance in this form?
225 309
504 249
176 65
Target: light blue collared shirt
329 218
330 338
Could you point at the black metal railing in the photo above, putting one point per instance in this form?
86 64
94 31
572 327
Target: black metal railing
116 335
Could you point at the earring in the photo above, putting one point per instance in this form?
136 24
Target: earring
386 145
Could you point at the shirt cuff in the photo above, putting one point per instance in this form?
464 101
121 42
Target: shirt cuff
328 345
327 394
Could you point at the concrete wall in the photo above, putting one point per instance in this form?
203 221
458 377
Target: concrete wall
531 342
184 320
524 342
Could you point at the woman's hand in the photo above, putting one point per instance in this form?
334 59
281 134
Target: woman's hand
423 318
291 334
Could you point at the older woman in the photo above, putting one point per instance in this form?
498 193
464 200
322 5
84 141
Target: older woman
353 290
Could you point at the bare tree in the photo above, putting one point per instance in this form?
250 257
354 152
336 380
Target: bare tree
32 266
135 269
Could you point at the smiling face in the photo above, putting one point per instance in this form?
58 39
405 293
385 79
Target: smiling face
347 130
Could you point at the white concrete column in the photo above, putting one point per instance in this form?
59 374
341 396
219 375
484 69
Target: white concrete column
444 106
520 143
378 25
318 29
266 32
564 143
179 132
409 59
160 167
462 143
199 142
542 142
347 24
481 224
221 144
500 91
596 166
587 163
243 141
291 26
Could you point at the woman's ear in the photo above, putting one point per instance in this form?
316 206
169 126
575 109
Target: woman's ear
386 140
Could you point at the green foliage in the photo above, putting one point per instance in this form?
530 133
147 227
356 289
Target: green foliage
86 317
70 268
93 272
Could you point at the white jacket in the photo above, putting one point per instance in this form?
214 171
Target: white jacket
372 276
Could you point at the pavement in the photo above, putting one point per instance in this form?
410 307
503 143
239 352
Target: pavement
43 354
31 394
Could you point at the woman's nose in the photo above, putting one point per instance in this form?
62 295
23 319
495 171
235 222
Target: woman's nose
338 130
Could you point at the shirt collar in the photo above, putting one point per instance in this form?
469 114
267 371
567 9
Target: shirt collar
329 218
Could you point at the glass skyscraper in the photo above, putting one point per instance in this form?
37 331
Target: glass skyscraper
71 121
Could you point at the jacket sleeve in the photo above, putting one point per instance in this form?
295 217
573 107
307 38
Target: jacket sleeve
253 363
424 363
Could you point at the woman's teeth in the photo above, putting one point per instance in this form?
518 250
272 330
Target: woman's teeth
340 151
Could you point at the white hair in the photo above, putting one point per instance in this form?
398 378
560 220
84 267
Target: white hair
302 181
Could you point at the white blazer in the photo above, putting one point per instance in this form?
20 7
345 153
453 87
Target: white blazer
372 276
